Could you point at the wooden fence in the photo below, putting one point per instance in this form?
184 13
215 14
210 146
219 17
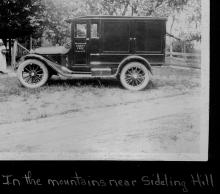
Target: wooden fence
192 60
18 51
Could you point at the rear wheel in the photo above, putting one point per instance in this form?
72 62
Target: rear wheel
32 73
134 76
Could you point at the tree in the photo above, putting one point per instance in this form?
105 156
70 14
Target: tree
141 7
19 19
186 21
54 21
56 11
55 14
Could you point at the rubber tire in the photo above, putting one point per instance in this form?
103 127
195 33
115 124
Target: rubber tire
143 68
42 66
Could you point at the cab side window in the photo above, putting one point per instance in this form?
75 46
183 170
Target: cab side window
94 30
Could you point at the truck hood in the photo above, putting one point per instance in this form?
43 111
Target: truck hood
50 50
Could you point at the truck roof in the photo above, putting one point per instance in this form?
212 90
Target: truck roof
116 17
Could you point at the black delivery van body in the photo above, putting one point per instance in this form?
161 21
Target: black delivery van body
101 46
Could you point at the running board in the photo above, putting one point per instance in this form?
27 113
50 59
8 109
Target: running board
95 72
68 71
86 76
101 72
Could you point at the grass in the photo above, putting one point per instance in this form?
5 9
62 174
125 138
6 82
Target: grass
61 96
163 77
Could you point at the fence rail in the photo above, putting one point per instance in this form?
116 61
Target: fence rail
184 59
183 54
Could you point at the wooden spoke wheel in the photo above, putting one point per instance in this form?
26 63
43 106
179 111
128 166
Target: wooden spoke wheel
32 73
134 76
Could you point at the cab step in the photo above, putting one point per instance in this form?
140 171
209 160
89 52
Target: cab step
101 72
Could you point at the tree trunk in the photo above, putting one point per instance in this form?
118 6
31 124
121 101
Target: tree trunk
5 42
171 27
125 9
10 51
171 49
31 40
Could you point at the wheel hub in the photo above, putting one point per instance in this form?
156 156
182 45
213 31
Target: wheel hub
135 76
32 74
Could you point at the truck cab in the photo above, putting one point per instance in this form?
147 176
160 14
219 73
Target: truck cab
120 47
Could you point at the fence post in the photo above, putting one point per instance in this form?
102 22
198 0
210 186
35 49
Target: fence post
171 49
184 51
14 53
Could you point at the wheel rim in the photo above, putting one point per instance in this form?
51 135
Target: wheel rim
134 76
32 74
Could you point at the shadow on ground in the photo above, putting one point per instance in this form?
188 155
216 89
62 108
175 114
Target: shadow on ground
91 82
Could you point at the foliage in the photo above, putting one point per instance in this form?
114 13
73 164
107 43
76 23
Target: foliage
20 18
54 24
57 11
186 23
34 17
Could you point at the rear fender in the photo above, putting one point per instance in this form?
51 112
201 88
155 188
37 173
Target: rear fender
133 58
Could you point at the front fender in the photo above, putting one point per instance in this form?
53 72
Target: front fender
54 66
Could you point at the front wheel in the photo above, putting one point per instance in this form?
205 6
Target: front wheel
32 73
134 76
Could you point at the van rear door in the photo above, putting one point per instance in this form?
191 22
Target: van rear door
148 36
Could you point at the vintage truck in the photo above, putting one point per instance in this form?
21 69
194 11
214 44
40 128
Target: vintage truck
120 47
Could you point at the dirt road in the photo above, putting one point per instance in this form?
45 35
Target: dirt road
124 131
